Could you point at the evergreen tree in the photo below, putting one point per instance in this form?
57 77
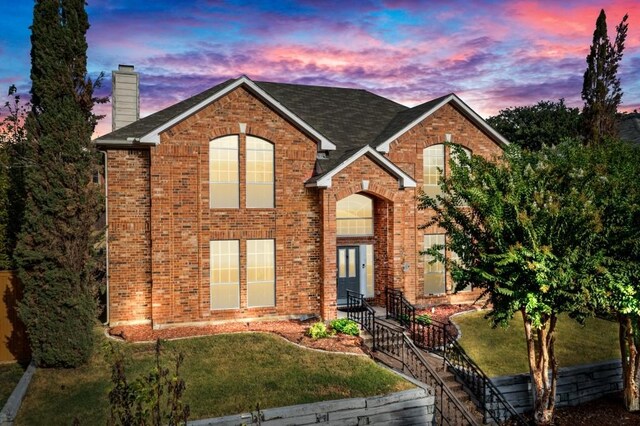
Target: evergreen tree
55 251
601 87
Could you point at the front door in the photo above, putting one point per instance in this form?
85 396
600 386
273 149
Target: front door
348 272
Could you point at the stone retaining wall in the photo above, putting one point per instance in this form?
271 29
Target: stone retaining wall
575 385
410 407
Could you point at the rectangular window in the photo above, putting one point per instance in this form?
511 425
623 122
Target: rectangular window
259 173
223 173
261 283
225 274
434 273
369 270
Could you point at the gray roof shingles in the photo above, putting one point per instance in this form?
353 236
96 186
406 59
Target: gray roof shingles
349 118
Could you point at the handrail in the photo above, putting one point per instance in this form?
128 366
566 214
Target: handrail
437 337
396 345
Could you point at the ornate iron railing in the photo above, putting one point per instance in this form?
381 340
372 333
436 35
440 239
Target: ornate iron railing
440 338
394 344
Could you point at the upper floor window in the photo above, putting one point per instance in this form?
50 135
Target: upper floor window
354 216
224 183
259 173
433 166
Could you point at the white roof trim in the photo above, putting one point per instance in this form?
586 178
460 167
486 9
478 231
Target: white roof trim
324 144
404 180
384 146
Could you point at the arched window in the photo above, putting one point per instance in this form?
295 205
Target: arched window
354 216
224 185
433 166
259 173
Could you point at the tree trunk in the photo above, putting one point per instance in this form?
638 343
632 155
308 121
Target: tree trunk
630 363
541 351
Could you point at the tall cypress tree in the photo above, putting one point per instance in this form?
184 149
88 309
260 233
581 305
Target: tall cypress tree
55 253
601 86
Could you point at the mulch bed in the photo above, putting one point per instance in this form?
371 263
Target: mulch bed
608 410
294 331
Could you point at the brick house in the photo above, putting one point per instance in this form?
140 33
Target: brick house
266 200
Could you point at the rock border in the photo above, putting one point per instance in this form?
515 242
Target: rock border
11 407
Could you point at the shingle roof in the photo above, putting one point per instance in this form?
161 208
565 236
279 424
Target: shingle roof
349 118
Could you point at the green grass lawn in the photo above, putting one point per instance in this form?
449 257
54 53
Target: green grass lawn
10 375
224 374
503 351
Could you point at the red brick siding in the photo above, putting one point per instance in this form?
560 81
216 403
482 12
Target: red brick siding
183 223
160 199
129 235
406 152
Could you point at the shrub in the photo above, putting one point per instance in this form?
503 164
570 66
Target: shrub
318 331
345 326
154 399
423 319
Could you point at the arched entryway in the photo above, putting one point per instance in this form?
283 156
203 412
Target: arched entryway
363 231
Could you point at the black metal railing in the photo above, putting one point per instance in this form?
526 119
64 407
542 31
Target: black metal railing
393 343
399 308
440 338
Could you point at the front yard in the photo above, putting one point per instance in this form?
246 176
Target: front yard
503 351
224 374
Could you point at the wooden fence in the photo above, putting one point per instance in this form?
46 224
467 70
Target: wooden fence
13 341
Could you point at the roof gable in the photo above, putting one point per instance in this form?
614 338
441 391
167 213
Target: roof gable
405 120
324 180
148 129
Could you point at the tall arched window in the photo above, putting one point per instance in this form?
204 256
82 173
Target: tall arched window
433 166
259 173
224 184
354 216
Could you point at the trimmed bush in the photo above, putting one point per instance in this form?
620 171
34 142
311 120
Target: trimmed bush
345 326
318 331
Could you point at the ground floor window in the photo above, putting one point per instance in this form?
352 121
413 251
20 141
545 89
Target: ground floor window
260 273
225 274
434 273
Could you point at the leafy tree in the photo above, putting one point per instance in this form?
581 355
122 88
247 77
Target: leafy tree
616 193
601 87
524 233
12 137
532 127
55 250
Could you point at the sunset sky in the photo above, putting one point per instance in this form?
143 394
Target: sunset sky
493 54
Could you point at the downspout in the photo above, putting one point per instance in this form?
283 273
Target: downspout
106 232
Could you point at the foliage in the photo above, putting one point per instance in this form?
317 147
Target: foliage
526 236
154 399
12 136
423 319
319 331
601 86
616 188
55 251
543 124
345 326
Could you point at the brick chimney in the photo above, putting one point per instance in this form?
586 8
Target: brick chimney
125 102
